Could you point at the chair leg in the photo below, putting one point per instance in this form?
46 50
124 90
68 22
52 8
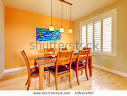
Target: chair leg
29 82
77 77
81 72
86 73
44 76
70 80
56 83
26 82
48 79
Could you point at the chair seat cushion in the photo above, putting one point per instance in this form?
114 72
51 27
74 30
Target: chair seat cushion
80 65
80 62
83 61
35 71
61 69
51 67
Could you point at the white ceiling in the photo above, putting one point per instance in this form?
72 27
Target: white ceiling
80 7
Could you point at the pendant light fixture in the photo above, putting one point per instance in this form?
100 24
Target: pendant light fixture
70 29
51 27
62 29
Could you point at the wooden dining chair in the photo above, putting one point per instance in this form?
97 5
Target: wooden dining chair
85 48
60 68
81 63
49 52
63 49
89 49
32 72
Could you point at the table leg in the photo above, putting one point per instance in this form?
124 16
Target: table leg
35 65
41 77
90 65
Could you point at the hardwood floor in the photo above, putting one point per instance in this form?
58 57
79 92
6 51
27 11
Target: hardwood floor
101 80
16 81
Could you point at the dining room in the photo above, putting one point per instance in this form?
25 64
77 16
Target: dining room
35 48
63 45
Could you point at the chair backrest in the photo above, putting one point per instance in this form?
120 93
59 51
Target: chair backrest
83 56
63 58
85 48
64 49
27 61
84 52
50 51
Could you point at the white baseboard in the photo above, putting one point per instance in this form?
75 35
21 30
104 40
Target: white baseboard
15 69
111 70
95 65
1 75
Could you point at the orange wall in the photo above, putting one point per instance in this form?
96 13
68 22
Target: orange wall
20 30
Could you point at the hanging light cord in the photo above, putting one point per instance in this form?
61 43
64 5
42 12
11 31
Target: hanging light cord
51 12
62 15
70 16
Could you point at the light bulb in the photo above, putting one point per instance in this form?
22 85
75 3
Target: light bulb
70 30
51 28
61 29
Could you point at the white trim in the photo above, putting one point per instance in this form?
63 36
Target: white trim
112 13
1 75
15 69
111 70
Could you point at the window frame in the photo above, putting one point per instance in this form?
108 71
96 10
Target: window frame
112 13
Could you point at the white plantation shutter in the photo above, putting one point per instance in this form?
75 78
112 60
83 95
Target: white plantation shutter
107 34
90 35
83 36
97 36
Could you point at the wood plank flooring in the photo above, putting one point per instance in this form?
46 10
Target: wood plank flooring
16 81
101 80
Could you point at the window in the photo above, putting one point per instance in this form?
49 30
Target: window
84 35
90 35
107 34
97 34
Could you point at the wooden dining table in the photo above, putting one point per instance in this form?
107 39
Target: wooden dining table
43 62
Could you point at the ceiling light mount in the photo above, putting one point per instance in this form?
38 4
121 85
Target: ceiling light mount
70 30
70 4
62 29
51 27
